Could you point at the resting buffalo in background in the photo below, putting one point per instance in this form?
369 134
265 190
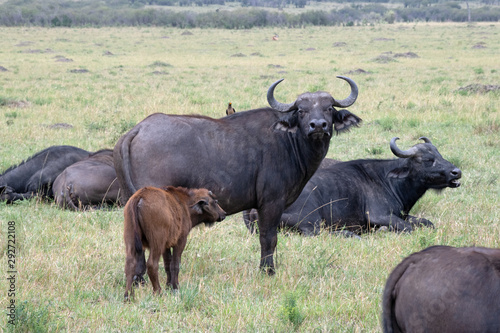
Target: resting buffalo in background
252 159
89 182
36 174
444 289
360 194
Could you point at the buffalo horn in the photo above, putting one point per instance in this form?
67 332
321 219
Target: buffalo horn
400 153
274 103
426 140
352 97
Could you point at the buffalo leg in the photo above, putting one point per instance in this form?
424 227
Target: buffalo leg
130 266
152 267
393 222
167 259
176 261
419 221
268 222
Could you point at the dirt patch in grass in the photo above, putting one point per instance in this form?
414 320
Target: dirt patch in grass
480 45
339 44
159 73
406 55
108 53
3 69
187 33
60 58
358 71
23 44
238 55
79 70
38 51
479 88
382 39
310 49
59 126
14 104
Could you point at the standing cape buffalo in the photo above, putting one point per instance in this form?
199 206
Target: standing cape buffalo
89 182
253 159
360 194
444 289
36 174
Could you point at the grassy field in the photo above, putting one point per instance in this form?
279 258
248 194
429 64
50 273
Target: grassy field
101 82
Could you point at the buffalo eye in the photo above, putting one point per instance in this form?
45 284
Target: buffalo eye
301 112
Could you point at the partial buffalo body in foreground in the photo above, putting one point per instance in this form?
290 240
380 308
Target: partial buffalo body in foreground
87 183
444 289
160 220
35 175
362 194
252 159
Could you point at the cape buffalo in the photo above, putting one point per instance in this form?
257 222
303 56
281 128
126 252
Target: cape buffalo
160 219
360 194
444 289
252 159
89 182
36 174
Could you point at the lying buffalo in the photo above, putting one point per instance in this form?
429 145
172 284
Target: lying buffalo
444 289
252 159
36 174
362 194
89 182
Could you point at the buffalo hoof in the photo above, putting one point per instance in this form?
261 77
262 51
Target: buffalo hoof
139 280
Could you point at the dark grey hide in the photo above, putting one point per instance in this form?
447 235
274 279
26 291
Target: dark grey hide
89 182
444 289
36 174
362 194
252 159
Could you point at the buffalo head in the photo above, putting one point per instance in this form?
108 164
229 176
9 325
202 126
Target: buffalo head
314 113
427 164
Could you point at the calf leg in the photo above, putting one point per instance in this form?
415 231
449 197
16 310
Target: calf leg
130 266
167 259
176 261
152 267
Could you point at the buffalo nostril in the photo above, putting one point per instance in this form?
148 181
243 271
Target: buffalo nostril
312 125
456 172
324 125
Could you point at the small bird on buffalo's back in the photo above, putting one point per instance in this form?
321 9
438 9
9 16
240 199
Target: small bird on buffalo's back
230 109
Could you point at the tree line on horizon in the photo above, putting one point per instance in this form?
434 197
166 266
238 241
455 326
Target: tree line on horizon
84 13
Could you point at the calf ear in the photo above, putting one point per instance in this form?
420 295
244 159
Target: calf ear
287 123
198 207
399 173
343 120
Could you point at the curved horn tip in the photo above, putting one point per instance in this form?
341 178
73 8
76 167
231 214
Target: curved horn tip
425 139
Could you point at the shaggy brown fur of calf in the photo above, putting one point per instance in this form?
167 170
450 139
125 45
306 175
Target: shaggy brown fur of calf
160 220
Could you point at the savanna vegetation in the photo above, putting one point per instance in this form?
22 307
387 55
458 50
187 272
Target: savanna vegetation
240 15
87 86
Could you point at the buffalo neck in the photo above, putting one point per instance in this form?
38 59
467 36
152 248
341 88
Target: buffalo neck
407 190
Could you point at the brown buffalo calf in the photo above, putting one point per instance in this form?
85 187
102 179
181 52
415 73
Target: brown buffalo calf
444 289
160 220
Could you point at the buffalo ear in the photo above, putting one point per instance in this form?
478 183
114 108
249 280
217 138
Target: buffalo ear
198 207
287 123
343 120
399 173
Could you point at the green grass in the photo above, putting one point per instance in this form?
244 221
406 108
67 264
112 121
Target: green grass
70 265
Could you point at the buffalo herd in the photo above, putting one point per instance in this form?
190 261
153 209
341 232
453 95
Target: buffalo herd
270 164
